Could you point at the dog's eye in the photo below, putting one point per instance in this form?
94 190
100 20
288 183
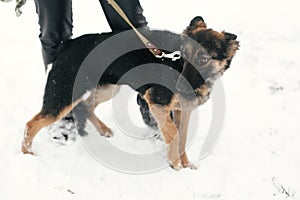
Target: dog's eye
204 60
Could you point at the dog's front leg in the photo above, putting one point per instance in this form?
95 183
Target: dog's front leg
169 133
181 119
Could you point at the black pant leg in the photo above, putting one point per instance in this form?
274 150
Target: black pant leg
132 9
55 20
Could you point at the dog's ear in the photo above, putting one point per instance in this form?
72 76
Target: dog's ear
229 36
196 20
231 46
196 24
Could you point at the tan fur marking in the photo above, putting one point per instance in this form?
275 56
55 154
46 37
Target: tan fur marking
199 26
40 121
100 126
218 35
197 30
32 128
203 90
233 47
181 119
168 130
100 95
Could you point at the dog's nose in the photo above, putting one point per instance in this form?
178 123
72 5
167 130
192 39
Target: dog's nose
180 87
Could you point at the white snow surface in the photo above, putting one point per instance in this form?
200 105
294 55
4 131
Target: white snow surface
260 139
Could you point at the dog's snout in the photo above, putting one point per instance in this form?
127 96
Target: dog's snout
182 85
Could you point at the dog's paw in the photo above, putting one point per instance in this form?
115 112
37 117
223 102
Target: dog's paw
176 165
26 147
107 132
27 151
190 165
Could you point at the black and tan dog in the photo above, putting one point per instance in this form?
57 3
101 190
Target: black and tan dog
176 91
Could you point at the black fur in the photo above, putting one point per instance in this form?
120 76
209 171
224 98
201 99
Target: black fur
145 112
59 87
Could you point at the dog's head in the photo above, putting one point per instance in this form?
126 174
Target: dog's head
206 53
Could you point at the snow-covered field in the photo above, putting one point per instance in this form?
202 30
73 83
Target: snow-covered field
256 157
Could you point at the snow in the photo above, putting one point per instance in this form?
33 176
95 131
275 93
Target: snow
260 137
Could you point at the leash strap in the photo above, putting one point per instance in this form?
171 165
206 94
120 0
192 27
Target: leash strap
19 4
152 48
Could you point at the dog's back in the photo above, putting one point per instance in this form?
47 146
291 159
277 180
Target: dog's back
71 55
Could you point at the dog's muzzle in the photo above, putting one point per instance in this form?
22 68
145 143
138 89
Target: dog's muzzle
183 86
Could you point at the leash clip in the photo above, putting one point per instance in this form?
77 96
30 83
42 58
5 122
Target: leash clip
152 48
174 56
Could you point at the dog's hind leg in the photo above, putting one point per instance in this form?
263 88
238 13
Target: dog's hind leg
100 95
43 119
100 126
38 122
181 119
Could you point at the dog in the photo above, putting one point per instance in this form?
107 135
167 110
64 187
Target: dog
181 87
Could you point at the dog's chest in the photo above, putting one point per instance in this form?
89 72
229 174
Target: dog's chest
178 102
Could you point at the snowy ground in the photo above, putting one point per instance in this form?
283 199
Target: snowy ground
260 139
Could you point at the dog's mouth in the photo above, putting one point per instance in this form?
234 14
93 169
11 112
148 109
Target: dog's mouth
189 95
185 90
201 91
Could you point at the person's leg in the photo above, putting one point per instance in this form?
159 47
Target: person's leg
132 9
134 12
55 20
